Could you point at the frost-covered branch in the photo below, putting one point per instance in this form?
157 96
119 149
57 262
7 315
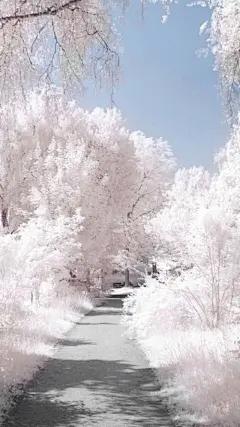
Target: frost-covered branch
48 41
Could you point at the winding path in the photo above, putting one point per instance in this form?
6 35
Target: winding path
97 378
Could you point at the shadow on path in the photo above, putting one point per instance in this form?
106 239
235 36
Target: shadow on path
123 387
92 388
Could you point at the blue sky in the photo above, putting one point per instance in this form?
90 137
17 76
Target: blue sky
167 90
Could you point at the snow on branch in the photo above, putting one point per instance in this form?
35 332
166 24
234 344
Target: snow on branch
48 41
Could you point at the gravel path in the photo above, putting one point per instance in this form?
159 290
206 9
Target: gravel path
97 378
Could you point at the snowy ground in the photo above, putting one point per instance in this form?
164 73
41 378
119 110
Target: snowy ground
97 378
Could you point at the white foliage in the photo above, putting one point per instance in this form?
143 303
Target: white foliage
89 160
188 325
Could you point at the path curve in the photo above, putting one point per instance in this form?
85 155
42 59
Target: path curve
97 378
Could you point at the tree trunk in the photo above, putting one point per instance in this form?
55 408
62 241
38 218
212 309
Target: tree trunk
88 281
127 281
5 218
103 284
154 270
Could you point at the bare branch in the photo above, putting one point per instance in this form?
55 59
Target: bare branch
48 41
49 11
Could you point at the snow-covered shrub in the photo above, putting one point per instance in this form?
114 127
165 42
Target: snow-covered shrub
198 367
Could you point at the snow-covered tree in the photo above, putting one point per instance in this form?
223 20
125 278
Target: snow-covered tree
146 197
174 225
25 137
223 40
199 228
64 159
126 177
